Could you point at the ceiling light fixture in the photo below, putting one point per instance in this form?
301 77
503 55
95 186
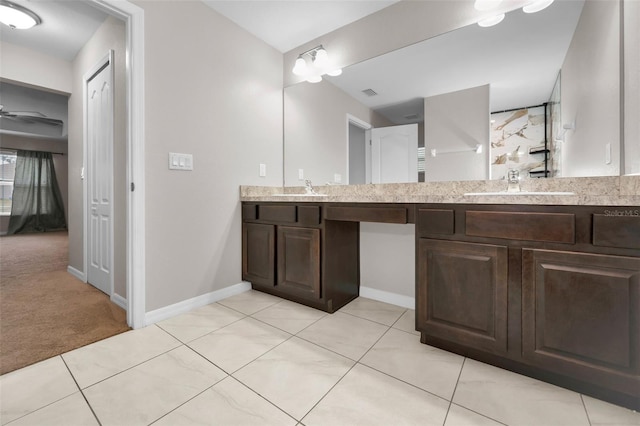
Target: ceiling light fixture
16 16
537 6
491 21
314 63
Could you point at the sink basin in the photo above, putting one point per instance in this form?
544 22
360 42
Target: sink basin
519 193
298 195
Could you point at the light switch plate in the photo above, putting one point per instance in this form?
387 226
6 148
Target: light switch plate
179 161
300 174
263 170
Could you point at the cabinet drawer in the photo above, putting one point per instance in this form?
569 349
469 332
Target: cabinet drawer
616 231
309 215
527 226
249 212
277 213
368 214
435 222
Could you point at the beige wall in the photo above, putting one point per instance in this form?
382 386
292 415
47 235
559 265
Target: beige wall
315 131
388 258
457 121
25 66
590 92
59 164
214 91
631 87
110 35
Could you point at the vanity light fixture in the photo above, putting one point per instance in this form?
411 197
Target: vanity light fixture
537 6
313 64
17 17
486 4
491 21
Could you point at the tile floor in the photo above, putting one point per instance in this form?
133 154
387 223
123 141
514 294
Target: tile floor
255 359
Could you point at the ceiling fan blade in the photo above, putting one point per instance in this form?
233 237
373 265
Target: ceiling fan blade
30 119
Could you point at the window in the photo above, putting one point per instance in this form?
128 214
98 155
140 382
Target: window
7 173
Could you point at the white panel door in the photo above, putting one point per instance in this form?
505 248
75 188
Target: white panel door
394 154
100 181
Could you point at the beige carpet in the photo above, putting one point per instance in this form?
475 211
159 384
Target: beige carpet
45 311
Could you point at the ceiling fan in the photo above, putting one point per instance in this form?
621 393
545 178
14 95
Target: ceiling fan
29 117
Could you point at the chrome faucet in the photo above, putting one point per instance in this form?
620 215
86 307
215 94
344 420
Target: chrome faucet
513 180
308 187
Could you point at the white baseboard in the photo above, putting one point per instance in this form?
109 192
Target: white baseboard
119 300
76 273
386 297
193 303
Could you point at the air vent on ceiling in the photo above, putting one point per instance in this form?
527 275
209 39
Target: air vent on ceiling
369 92
411 117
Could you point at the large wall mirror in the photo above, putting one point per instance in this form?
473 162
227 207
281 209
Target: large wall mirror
469 104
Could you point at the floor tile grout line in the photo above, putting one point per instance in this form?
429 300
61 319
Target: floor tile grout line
478 413
188 400
405 382
244 365
135 365
199 337
82 392
263 397
327 392
343 376
52 402
369 319
585 409
454 390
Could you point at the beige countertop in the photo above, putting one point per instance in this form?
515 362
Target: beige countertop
608 190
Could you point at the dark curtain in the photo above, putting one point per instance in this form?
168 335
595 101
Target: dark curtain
37 203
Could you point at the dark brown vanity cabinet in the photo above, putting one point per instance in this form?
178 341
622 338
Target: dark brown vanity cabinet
581 315
549 291
298 270
258 254
463 293
290 251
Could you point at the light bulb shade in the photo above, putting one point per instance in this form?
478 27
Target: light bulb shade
321 58
17 17
335 73
314 78
486 4
490 22
300 68
537 6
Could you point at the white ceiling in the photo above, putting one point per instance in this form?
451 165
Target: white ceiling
465 58
286 24
66 26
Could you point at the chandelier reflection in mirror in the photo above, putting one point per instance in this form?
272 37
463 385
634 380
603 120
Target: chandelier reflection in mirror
532 6
313 64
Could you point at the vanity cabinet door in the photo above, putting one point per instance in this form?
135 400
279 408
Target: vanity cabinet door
258 254
299 261
581 316
462 293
